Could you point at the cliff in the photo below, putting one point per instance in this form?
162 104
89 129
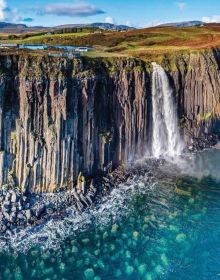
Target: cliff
59 117
196 82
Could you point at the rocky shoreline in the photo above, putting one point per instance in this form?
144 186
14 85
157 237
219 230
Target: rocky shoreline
19 210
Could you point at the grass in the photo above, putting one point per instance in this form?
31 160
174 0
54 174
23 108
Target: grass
142 43
46 39
101 53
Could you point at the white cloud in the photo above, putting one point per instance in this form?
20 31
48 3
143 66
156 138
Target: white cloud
150 24
71 10
211 19
11 15
128 23
110 20
181 5
3 8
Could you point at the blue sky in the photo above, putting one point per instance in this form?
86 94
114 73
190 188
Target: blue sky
139 13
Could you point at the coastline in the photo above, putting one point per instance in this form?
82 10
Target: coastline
21 210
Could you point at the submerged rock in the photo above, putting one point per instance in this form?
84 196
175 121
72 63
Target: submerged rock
75 249
164 259
89 273
142 269
129 269
149 276
181 237
135 234
115 228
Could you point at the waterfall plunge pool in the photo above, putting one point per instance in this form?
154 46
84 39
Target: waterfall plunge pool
164 225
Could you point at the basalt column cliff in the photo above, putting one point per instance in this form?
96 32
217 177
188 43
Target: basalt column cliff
60 116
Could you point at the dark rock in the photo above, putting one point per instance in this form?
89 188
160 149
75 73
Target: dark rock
50 211
54 113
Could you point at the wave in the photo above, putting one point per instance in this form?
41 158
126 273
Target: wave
116 205
51 234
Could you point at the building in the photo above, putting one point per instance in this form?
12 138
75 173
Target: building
64 51
65 48
34 47
9 46
98 32
83 49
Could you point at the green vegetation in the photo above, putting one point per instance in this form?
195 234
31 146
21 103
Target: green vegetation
44 38
107 136
205 117
45 34
147 44
13 136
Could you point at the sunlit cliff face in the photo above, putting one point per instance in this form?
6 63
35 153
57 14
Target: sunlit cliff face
60 116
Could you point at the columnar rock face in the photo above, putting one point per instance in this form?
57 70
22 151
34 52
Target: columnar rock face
197 85
59 117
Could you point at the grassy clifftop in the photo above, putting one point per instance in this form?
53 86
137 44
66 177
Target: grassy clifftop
33 65
141 43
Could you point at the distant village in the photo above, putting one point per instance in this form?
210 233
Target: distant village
65 51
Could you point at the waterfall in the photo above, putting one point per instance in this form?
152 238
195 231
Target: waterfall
166 139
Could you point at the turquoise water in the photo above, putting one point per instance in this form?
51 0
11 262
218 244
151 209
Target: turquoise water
164 225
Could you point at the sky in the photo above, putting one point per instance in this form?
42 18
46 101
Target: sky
137 13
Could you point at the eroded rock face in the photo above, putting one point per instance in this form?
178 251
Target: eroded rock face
59 117
197 85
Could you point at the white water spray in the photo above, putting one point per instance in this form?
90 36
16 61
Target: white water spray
166 139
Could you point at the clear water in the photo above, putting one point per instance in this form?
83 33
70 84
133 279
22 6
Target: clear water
164 225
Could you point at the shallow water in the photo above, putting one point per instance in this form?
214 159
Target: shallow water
165 225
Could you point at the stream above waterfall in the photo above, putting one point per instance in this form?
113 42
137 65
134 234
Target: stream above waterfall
161 225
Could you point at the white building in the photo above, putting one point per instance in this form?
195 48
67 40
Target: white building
8 45
83 49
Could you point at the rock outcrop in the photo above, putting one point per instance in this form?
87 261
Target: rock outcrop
60 116
197 85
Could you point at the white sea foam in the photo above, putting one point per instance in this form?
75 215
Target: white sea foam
50 235
114 206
